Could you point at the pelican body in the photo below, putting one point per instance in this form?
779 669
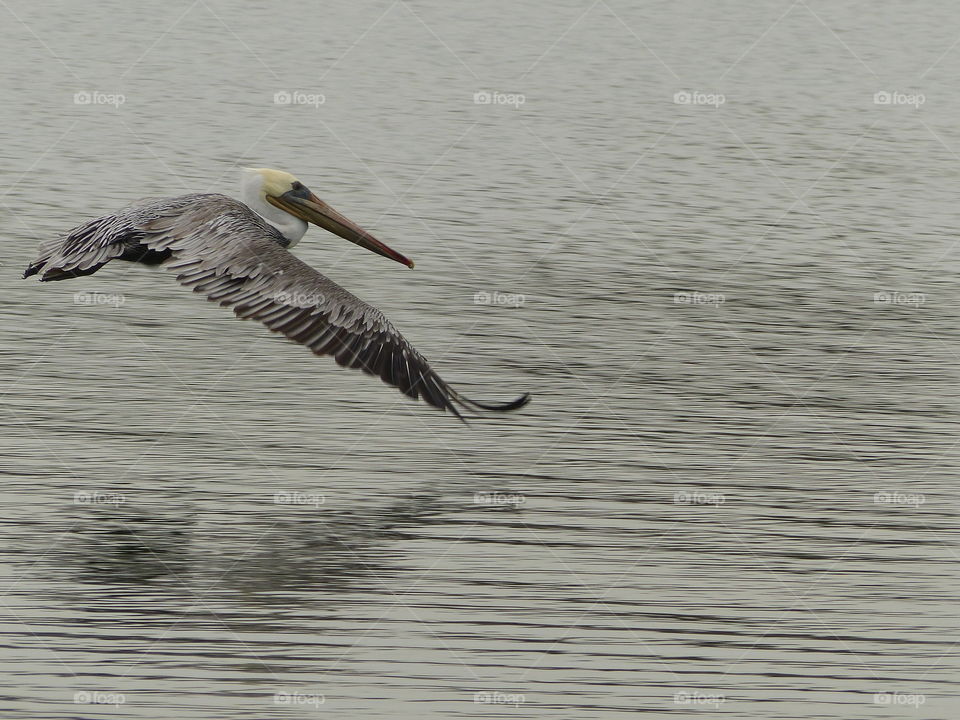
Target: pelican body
237 254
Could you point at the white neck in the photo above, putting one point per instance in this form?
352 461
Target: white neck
252 194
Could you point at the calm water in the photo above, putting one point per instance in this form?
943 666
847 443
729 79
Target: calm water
734 492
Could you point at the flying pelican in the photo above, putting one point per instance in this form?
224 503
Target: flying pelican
237 254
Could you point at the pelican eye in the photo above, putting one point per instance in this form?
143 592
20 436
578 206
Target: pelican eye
300 190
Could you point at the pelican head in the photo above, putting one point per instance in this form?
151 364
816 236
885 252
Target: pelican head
288 205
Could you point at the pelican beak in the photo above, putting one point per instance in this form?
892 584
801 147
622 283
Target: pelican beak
307 206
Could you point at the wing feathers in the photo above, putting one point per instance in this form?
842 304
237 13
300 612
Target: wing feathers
219 248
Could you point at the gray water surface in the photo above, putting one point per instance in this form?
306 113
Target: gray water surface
727 274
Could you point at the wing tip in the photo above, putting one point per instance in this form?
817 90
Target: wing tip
498 407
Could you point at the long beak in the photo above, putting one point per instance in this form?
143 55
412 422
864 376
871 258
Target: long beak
314 210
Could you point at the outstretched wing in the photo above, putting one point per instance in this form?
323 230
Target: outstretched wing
88 247
222 249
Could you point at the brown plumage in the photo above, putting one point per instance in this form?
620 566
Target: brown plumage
222 249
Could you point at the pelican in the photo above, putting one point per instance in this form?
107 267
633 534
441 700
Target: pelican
238 255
